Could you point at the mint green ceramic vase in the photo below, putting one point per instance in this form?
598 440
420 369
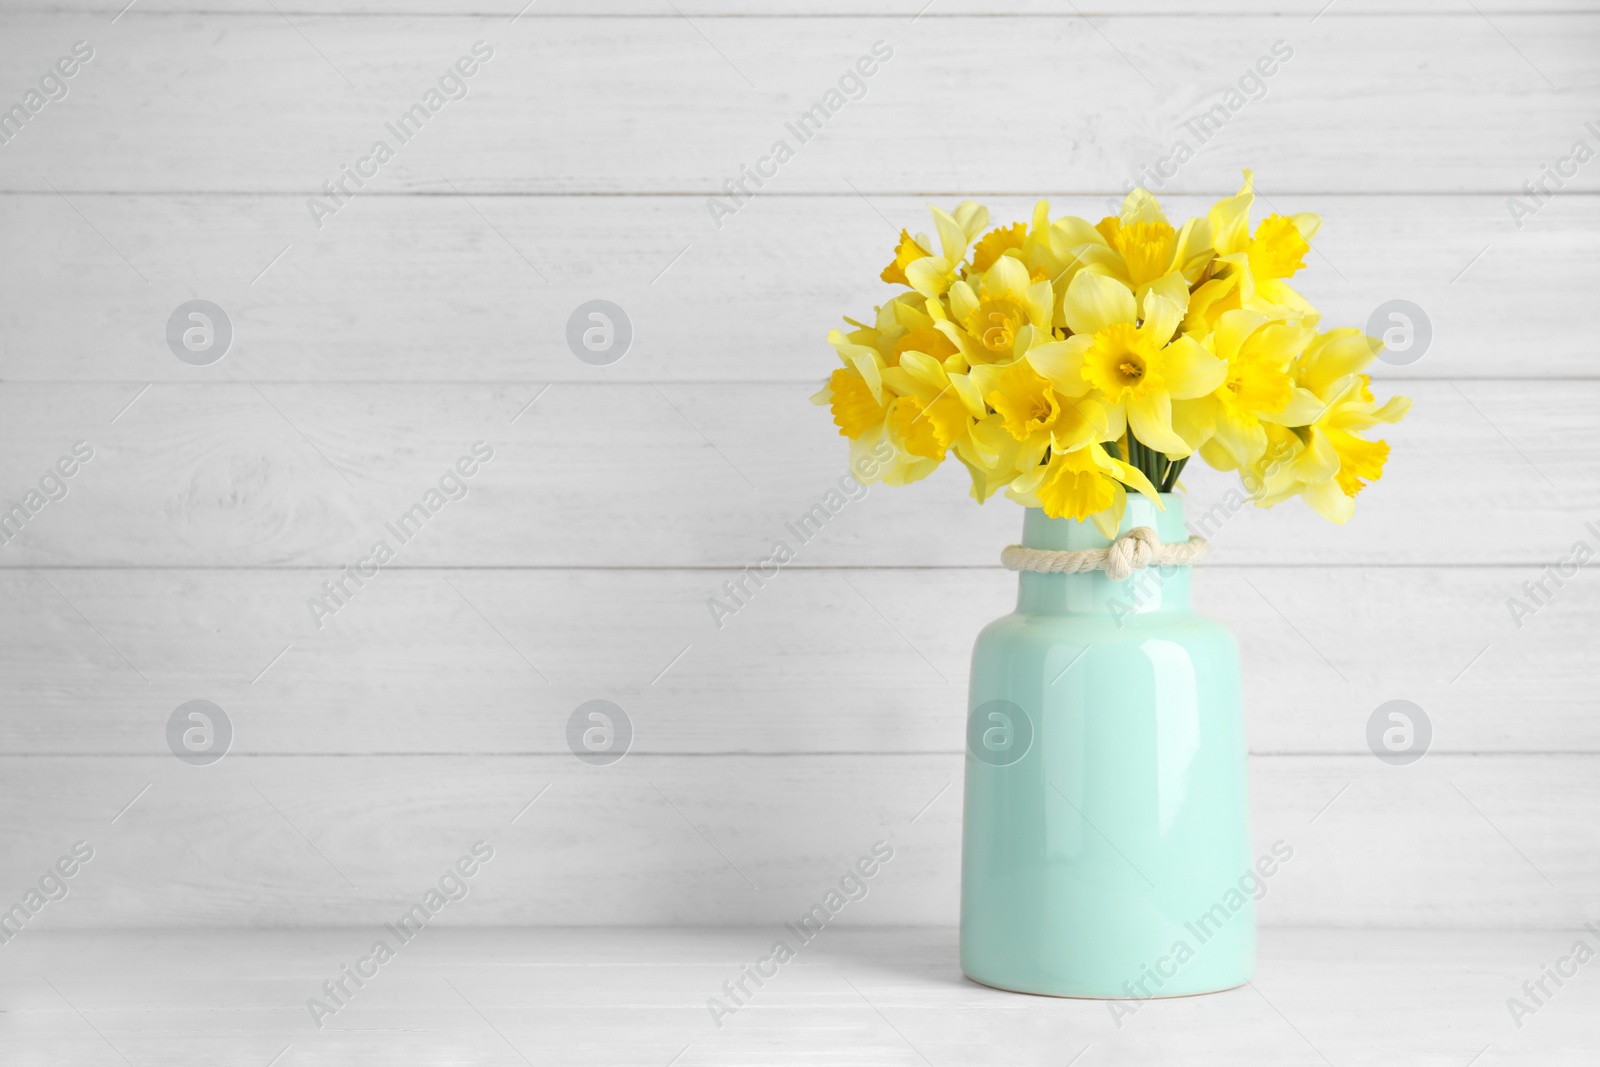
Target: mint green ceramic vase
1106 840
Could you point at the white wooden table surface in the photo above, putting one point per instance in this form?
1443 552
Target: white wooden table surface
486 996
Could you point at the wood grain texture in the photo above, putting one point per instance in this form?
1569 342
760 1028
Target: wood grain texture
854 997
919 9
251 103
429 313
739 839
701 475
847 661
425 288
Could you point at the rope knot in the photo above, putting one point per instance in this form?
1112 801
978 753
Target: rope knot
1131 552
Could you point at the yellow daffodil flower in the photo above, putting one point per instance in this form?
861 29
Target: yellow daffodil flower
992 456
1034 414
1226 424
918 428
906 252
856 409
1325 460
1086 484
915 263
933 409
993 313
1134 366
860 411
1251 271
1138 246
997 243
902 325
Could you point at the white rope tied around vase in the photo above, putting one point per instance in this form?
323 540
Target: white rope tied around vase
1134 550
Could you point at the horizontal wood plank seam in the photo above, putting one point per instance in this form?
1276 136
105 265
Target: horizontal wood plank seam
595 568
808 382
816 16
635 755
645 194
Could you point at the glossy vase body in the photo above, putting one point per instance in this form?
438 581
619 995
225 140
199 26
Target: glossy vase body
1106 833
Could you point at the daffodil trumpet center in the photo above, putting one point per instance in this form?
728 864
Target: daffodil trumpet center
995 324
1122 361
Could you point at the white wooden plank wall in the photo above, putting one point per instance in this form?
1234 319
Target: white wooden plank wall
430 310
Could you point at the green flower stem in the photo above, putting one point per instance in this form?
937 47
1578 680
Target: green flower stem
1153 464
1141 458
1172 475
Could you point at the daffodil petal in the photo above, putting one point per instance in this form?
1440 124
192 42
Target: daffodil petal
1161 315
1070 231
865 360
1116 422
1082 422
1394 410
1232 329
953 238
1329 501
926 370
1094 302
1150 420
1134 478
1189 370
1192 249
1304 408
1110 520
1170 287
929 275
1140 206
1319 462
972 217
1008 275
1062 363
1245 441
1230 219
1039 299
1195 420
1334 355
964 387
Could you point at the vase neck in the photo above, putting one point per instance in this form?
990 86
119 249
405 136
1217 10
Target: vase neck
1153 590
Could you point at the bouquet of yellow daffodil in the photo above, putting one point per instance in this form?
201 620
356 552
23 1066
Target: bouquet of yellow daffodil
1067 362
